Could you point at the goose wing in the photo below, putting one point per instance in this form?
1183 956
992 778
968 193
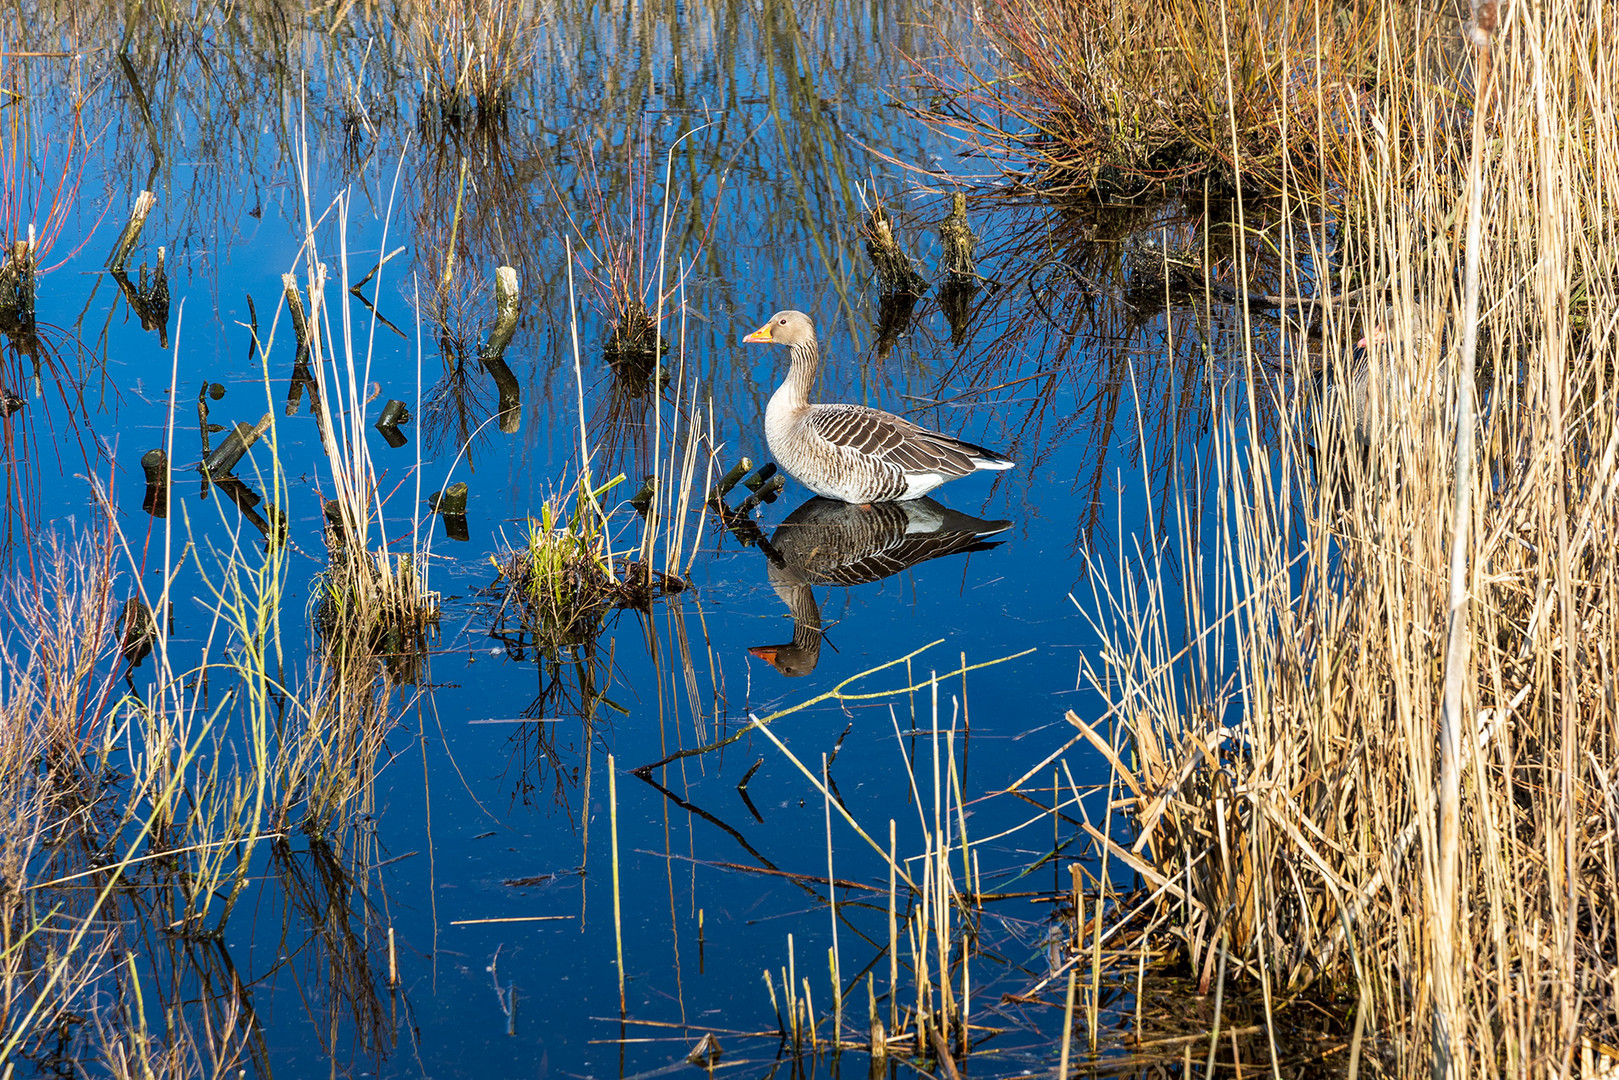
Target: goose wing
889 440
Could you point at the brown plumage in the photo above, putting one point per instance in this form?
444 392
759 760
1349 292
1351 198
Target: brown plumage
851 452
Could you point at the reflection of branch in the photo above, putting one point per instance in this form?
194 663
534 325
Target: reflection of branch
145 109
765 484
743 868
319 889
765 865
375 314
148 297
837 694
807 882
507 997
746 530
247 501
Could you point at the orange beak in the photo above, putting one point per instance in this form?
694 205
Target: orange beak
761 336
767 653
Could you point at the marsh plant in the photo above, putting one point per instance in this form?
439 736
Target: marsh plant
1128 98
469 56
560 579
370 598
1376 757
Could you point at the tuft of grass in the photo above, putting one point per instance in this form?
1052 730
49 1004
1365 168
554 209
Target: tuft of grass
59 716
1126 97
563 580
369 600
374 604
620 265
560 579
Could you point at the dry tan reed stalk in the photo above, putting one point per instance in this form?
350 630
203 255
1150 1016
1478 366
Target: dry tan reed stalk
1067 1023
1353 816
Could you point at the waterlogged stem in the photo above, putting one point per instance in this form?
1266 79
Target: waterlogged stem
836 693
755 724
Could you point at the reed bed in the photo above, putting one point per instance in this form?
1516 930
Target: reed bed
129 808
1363 721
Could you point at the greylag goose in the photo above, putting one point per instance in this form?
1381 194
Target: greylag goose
850 452
1382 391
828 542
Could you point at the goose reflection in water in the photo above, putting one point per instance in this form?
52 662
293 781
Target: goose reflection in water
827 542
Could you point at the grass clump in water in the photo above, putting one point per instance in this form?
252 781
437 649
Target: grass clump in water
560 579
563 579
378 602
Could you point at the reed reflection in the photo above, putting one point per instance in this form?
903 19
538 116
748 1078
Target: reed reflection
827 542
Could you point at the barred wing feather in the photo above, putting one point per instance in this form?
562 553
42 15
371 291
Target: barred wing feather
889 440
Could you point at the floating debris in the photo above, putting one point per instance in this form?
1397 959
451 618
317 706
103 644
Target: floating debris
219 464
155 464
706 1054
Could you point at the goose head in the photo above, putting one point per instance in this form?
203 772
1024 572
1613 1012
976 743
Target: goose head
784 328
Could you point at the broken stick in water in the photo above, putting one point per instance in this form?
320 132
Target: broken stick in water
224 458
144 202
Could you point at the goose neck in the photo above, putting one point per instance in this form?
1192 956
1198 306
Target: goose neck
801 375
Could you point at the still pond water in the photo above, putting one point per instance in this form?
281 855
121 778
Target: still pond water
488 851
